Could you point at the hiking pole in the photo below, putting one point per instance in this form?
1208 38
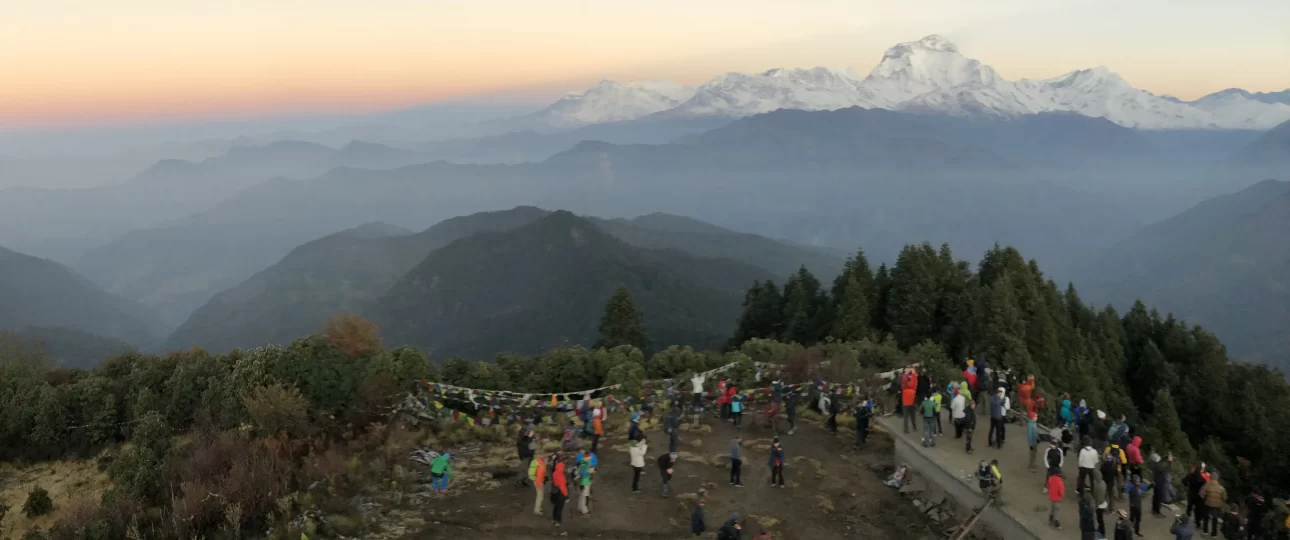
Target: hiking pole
972 522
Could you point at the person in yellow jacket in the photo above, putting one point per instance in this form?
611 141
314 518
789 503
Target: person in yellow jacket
937 397
537 475
1113 460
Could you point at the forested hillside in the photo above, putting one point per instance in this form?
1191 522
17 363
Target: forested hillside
42 293
540 286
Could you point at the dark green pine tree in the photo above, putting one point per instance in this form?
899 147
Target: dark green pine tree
857 266
1004 329
762 314
881 294
1168 426
851 322
915 295
621 324
802 304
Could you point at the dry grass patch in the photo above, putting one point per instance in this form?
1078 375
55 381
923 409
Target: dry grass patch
66 482
825 503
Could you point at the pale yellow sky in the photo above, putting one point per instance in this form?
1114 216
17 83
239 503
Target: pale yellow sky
90 61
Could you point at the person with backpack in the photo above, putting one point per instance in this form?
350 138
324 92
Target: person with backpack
1136 489
537 475
731 530
637 449
929 422
441 472
1112 464
696 519
559 490
776 464
1133 455
736 461
1194 482
1056 491
1119 432
584 482
666 462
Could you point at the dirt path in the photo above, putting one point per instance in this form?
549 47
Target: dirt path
834 492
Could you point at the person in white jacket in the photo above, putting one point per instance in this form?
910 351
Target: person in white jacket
1088 460
637 451
958 406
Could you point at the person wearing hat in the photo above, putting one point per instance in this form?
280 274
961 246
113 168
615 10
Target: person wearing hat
732 529
441 472
1123 527
696 518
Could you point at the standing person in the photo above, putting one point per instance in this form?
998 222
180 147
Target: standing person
1087 463
559 490
736 461
1133 454
737 409
1032 439
597 426
929 423
584 483
1195 481
1163 475
1214 496
1055 459
696 519
537 475
441 472
1087 528
1056 491
776 464
970 376
958 408
1102 503
937 398
665 470
1257 508
1113 461
835 406
923 388
790 411
995 437
863 412
634 432
1024 389
525 447
1067 415
908 392
969 425
1136 489
1119 432
637 451
723 400
672 426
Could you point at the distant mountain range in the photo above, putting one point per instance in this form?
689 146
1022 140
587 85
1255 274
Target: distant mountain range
926 76
353 269
38 293
1223 264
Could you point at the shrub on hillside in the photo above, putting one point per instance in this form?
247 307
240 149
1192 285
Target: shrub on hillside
38 503
277 410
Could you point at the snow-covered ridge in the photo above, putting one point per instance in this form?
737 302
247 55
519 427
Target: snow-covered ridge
927 76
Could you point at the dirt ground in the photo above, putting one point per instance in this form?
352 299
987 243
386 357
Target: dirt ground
67 482
834 491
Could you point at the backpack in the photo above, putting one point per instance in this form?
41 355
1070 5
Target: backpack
727 532
1054 457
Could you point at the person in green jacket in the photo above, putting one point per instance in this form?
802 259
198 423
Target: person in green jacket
929 421
584 483
440 472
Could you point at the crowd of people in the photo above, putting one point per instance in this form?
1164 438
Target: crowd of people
1108 454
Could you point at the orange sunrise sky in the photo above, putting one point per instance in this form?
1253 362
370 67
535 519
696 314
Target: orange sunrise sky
92 61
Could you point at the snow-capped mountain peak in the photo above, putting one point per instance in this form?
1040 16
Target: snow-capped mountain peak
611 101
930 76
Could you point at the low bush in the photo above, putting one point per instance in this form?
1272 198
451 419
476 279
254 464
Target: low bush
38 503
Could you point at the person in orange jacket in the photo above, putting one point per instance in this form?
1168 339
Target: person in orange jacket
537 475
908 391
559 490
1024 390
1056 491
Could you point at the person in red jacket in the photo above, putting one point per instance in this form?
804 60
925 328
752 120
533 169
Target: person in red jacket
559 491
721 399
1056 490
908 391
1133 454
